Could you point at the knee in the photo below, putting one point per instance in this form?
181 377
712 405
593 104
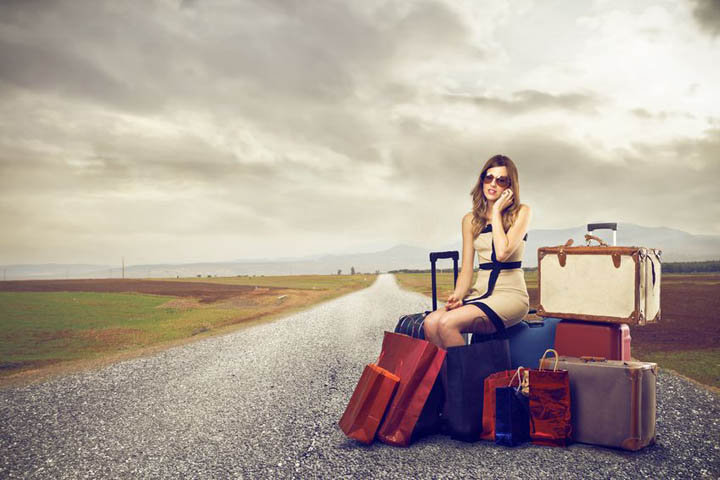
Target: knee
431 322
446 326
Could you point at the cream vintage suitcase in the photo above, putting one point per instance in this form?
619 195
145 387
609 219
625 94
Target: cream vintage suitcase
613 403
599 283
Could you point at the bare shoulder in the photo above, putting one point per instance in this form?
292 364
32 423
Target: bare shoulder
524 209
467 224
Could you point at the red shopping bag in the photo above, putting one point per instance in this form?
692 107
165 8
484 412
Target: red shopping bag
506 378
368 403
417 363
549 394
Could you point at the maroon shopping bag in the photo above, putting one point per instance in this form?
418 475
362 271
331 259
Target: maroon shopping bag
417 363
549 394
368 403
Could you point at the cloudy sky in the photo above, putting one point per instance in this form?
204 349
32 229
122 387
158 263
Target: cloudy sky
170 131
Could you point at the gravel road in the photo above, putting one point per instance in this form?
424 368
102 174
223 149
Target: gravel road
265 401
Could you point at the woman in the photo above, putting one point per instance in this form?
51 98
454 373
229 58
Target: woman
497 229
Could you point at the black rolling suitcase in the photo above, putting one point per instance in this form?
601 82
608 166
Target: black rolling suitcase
413 324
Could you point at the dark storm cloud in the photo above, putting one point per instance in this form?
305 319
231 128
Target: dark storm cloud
41 68
307 71
297 51
528 101
707 15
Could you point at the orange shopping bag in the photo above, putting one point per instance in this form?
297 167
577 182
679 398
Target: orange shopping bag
368 403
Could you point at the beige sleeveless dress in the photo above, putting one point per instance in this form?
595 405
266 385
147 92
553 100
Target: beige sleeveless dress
508 298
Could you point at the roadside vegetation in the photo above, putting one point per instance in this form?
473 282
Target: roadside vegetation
46 328
685 340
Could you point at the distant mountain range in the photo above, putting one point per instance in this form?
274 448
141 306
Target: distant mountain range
676 245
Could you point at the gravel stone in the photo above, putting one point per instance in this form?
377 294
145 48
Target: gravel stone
265 402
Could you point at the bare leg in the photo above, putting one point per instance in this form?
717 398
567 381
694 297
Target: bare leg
464 319
432 321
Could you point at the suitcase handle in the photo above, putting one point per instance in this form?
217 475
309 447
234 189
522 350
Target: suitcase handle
604 226
454 254
593 359
434 256
589 237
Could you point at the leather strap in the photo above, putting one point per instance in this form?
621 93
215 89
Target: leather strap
500 265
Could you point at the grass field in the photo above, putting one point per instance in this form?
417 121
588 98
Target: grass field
47 327
686 340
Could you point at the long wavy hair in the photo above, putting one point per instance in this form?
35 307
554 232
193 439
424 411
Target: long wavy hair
480 203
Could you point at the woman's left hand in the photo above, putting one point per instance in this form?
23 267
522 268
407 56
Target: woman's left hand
504 201
453 301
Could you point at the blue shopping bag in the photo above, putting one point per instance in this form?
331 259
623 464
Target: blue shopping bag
512 417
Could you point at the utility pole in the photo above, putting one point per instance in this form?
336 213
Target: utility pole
123 267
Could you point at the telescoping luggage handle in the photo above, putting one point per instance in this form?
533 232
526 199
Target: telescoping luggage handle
601 226
433 258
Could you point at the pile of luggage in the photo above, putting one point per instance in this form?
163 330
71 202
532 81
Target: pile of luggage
566 377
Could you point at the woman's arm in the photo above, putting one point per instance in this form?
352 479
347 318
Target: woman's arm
468 253
466 270
507 243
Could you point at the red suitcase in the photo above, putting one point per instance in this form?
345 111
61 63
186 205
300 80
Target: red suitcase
584 339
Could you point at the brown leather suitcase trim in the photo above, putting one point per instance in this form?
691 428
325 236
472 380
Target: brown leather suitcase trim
590 250
637 441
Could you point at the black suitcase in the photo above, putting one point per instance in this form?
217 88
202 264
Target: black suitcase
412 324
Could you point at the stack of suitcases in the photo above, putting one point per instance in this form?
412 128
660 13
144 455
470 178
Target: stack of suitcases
589 296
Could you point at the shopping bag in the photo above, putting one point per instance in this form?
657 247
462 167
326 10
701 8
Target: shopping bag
467 367
549 399
417 363
512 416
496 380
368 403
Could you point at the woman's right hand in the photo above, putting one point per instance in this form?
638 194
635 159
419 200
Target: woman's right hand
453 301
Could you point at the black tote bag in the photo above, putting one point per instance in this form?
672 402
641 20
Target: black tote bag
463 377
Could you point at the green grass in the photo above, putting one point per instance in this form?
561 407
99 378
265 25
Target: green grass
43 328
71 325
701 365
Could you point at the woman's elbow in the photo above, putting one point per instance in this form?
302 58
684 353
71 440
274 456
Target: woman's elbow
503 255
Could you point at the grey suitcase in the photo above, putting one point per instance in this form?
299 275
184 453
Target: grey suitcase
612 402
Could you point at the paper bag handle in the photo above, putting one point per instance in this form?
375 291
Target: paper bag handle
542 360
516 374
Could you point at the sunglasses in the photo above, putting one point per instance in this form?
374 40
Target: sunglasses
503 182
